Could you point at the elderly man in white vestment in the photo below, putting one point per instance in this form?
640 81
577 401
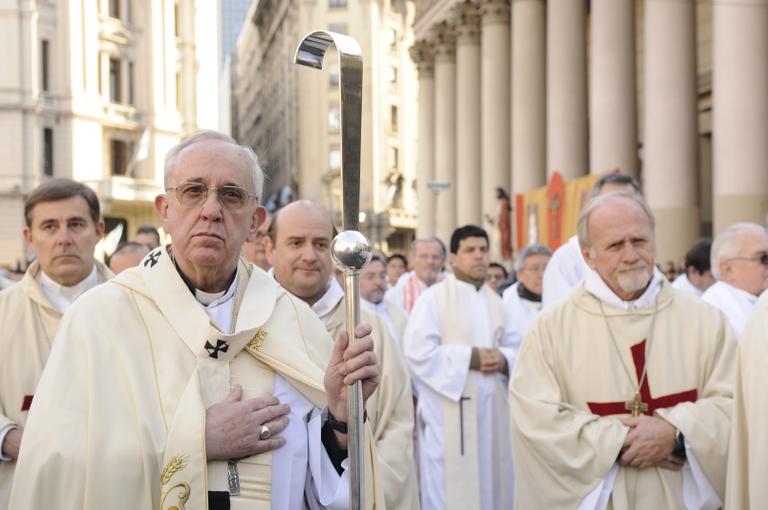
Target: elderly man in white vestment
460 351
522 299
621 396
746 486
567 267
63 225
194 380
740 264
428 258
301 235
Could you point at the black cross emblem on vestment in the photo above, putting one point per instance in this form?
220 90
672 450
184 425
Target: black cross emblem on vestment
213 352
152 258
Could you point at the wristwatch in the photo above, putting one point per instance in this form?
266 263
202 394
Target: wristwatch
679 450
338 426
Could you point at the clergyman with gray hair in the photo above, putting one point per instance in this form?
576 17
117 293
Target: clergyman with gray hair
567 267
200 379
739 262
622 394
522 300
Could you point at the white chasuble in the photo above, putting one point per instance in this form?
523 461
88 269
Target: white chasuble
462 414
735 303
390 408
119 417
572 380
746 486
29 323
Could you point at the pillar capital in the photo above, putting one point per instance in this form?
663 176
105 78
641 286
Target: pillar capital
494 11
467 23
423 55
444 41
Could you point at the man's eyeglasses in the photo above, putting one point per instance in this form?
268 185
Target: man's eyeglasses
761 258
194 194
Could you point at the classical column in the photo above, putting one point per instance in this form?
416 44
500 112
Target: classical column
468 198
421 53
740 113
566 88
529 127
495 100
671 129
445 130
613 113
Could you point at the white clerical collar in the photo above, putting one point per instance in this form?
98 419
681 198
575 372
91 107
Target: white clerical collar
61 296
737 292
380 307
598 288
323 306
220 306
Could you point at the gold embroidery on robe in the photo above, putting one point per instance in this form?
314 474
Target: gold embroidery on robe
177 463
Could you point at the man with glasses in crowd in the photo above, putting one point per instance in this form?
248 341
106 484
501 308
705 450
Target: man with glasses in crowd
428 258
740 264
522 300
193 380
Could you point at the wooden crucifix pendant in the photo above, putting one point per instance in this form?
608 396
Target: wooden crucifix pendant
636 406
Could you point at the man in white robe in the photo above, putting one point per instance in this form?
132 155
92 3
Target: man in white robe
460 350
428 258
621 396
522 299
567 267
747 462
63 225
740 264
194 381
373 287
301 235
697 276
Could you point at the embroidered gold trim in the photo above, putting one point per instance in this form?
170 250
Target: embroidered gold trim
177 463
258 339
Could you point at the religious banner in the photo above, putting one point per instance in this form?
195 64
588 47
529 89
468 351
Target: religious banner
548 215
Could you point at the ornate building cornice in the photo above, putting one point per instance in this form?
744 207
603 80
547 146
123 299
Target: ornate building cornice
494 11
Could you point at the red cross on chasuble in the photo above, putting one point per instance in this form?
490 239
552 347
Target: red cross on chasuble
638 356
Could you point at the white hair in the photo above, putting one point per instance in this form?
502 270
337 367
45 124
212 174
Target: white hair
528 251
727 244
200 136
582 225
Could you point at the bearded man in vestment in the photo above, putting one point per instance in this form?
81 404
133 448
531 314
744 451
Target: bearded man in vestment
301 235
460 350
63 225
194 380
747 463
740 265
621 396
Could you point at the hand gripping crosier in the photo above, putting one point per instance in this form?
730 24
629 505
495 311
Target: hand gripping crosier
350 249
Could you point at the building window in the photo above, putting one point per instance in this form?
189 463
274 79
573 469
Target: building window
45 48
176 20
334 118
178 91
118 155
392 75
394 158
48 152
115 81
334 157
339 28
114 9
337 4
333 76
393 119
131 89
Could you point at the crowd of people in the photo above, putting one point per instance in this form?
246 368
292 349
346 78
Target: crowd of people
211 371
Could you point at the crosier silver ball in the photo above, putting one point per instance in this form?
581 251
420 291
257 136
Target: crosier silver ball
350 250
